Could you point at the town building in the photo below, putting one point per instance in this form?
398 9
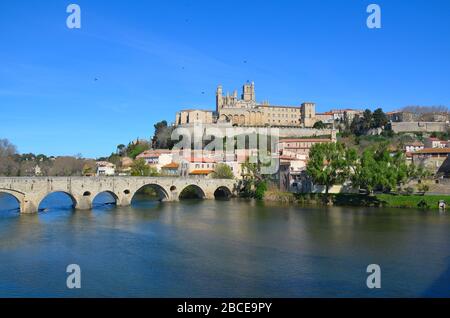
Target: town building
326 118
194 116
105 168
402 116
293 158
197 167
299 148
171 170
431 158
433 142
347 114
414 146
157 158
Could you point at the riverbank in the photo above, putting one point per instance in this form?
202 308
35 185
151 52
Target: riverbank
428 202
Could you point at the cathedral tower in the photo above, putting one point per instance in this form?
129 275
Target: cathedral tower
219 98
248 92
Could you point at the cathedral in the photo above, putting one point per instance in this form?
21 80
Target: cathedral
246 111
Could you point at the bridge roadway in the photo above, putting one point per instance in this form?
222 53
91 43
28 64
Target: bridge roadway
30 191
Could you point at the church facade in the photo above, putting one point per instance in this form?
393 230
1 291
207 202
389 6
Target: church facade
245 111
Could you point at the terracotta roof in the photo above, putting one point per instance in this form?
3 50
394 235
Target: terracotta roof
414 143
284 157
201 160
432 151
154 153
171 165
303 140
201 172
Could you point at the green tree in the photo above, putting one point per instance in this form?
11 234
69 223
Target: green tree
223 171
379 118
120 149
379 169
136 148
319 125
140 168
162 138
330 164
260 190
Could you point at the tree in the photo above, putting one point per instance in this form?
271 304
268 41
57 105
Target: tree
379 169
8 166
379 118
89 168
162 138
319 125
223 171
330 164
134 149
261 188
7 149
367 120
140 168
67 166
120 149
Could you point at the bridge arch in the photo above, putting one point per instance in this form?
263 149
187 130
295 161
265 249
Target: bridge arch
192 191
162 193
222 192
41 202
15 196
97 200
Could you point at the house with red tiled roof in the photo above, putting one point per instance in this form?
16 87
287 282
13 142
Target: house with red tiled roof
197 166
431 158
157 158
433 142
298 148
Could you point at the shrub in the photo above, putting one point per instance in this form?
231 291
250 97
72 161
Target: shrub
223 171
423 205
260 190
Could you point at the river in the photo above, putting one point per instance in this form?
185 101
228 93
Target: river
232 248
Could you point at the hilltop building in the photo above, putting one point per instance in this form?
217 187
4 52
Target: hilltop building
246 111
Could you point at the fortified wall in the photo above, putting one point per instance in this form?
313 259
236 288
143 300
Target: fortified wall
429 127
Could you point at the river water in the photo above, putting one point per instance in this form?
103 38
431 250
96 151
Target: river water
232 248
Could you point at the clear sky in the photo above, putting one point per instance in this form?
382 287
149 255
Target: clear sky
152 58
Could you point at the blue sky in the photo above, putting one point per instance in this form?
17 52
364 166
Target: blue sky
153 58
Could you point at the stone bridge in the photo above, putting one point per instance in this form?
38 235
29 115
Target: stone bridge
30 191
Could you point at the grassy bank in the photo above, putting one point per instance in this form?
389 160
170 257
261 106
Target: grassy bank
413 201
380 200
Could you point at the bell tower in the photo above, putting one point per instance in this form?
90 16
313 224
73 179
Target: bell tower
248 92
219 98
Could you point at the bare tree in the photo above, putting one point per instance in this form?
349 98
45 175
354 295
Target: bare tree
8 166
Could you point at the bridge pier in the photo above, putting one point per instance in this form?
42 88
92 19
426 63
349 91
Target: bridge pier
83 203
123 201
29 206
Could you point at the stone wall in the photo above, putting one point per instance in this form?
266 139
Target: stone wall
419 127
284 132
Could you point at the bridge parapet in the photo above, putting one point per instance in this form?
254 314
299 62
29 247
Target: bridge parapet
30 191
